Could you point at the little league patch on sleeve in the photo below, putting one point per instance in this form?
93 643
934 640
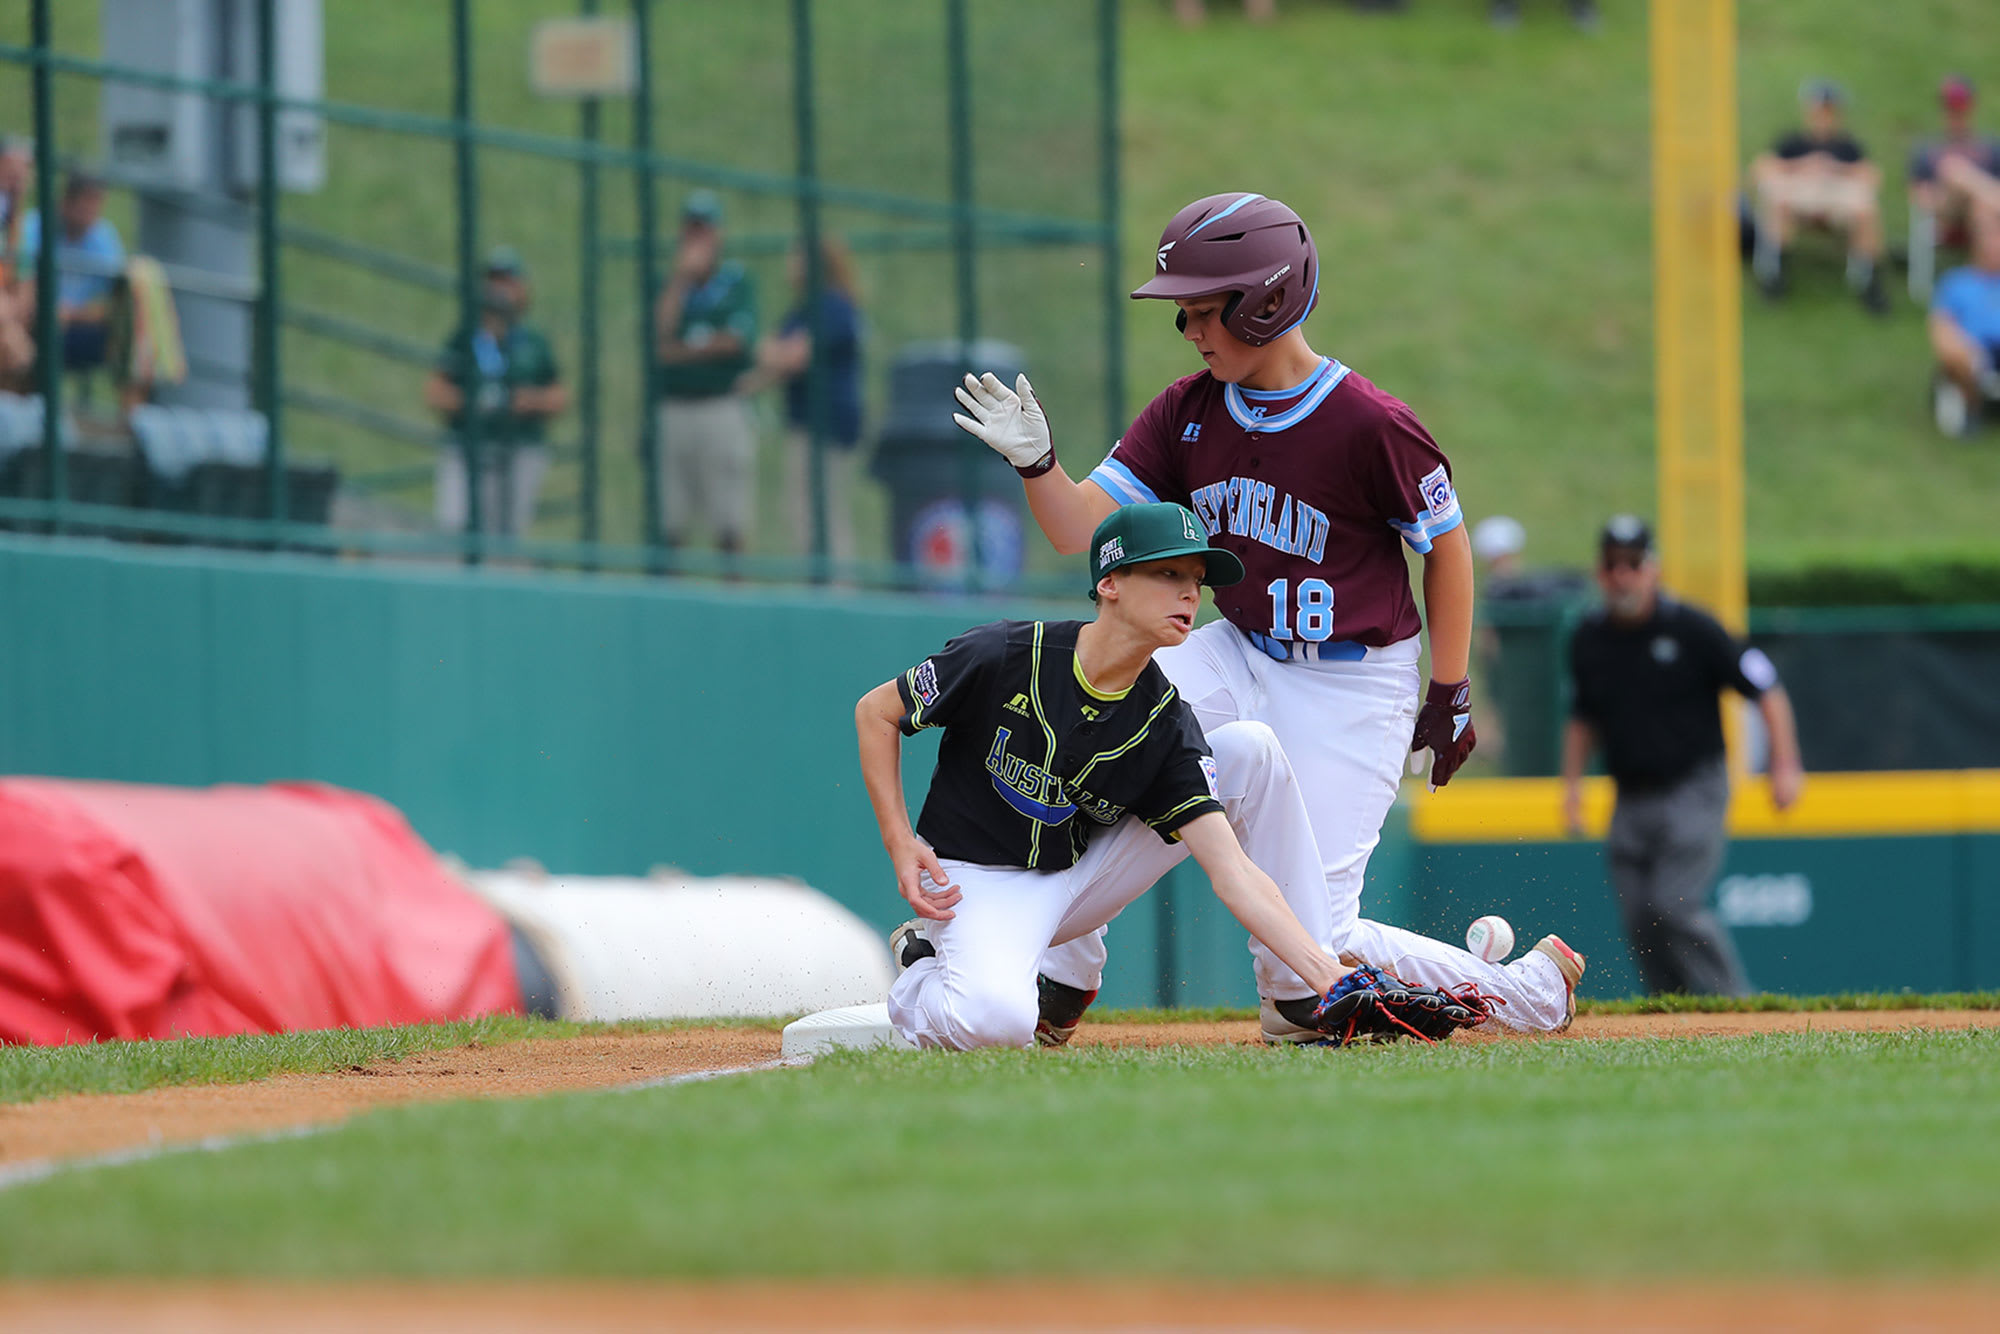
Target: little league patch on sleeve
1208 773
1436 490
923 682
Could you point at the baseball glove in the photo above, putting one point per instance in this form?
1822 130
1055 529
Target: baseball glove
1369 1005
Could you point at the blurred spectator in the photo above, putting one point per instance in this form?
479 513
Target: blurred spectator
1947 174
1965 331
504 370
145 347
90 256
17 343
16 168
1194 13
706 327
1646 671
1819 176
1497 543
1582 13
786 357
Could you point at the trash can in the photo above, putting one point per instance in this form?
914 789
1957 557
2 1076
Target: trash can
924 460
1525 666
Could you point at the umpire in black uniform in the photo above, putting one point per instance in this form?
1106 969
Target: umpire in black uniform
1646 673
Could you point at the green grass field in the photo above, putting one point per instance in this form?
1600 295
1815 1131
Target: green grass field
1801 1155
1481 200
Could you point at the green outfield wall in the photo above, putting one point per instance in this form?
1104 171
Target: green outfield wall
606 726
599 725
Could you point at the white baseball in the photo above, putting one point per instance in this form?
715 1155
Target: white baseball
1490 938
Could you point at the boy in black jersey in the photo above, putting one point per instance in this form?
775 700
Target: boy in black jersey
1070 778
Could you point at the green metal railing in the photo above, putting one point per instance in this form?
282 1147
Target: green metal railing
959 225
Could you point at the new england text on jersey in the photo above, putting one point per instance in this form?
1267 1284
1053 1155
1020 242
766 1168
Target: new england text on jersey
1259 511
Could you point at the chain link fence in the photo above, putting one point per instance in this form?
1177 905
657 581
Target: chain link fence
962 153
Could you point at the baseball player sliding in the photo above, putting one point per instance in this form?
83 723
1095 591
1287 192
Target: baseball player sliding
1070 777
1314 479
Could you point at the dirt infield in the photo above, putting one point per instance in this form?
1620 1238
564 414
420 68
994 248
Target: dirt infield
100 1123
505 1308
87 1124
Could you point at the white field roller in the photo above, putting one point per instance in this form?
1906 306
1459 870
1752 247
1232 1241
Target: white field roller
676 946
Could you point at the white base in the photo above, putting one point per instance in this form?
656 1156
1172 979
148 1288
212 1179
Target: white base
851 1026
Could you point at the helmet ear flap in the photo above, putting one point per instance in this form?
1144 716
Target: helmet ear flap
1180 320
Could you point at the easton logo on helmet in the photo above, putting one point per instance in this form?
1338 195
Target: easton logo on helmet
1252 252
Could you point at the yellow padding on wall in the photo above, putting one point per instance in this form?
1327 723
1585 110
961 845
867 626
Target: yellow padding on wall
1507 810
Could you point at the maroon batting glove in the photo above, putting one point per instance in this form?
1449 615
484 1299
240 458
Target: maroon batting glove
1444 725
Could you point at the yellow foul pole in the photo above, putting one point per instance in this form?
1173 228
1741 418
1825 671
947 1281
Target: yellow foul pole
1697 304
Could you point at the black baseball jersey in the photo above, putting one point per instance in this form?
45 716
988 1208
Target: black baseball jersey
1035 760
1649 689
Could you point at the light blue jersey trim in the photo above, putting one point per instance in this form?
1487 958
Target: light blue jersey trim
1239 407
1295 390
1424 531
1218 217
1121 484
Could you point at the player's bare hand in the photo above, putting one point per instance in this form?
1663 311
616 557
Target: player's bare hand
1788 783
1010 421
923 882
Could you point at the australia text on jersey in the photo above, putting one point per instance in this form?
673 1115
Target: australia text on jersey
1254 509
1039 794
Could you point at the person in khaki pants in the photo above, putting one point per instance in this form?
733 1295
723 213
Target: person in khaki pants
705 327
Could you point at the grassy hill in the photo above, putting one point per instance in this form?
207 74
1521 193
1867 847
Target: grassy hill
1481 204
1480 199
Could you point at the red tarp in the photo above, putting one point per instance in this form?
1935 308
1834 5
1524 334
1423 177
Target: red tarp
142 912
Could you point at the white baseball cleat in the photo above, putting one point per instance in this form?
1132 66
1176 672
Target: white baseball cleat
1277 1029
1570 964
910 942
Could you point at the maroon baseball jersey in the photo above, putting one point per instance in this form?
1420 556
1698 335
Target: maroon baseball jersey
1314 487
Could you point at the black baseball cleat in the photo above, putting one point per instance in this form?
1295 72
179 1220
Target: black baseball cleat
1061 1010
1289 1021
908 943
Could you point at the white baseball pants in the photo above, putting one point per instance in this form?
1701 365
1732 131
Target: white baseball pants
1345 728
979 991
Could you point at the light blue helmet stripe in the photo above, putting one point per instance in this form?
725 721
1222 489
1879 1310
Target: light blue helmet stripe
1217 217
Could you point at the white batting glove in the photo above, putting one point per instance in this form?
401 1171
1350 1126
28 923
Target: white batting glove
1008 420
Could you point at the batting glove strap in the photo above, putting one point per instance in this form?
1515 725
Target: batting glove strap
1045 464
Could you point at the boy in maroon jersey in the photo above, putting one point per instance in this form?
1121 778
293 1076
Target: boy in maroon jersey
1315 479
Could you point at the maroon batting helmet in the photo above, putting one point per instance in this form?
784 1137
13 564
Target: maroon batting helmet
1251 247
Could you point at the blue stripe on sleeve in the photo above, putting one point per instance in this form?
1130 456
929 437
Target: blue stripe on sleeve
1421 533
1120 483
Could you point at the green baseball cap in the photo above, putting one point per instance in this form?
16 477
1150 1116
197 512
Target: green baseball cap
702 206
506 259
1135 533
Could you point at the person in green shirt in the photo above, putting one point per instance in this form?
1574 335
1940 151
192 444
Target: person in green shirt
705 331
505 371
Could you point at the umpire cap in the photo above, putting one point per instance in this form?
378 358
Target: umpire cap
1132 534
1625 532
